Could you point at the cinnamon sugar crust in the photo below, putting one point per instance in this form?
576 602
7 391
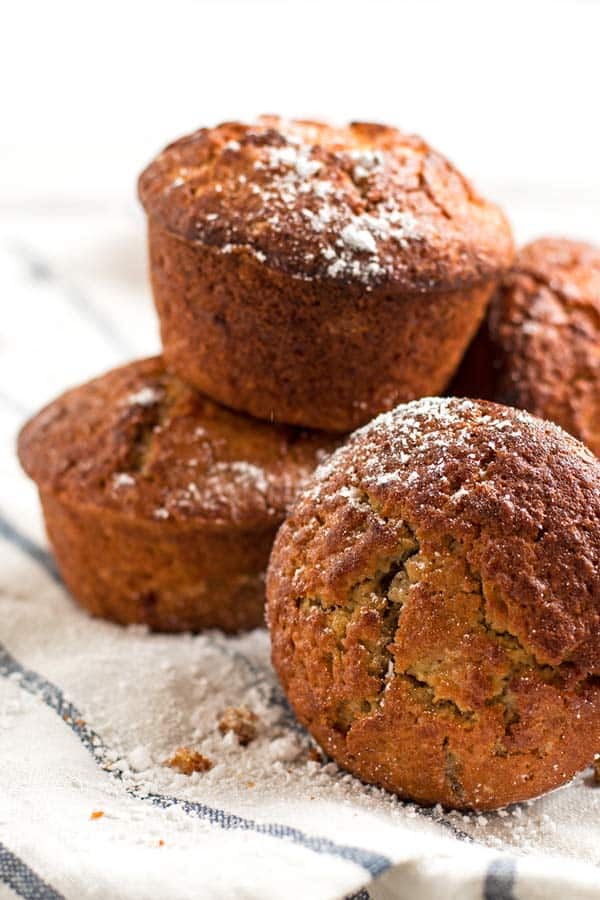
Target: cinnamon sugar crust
434 604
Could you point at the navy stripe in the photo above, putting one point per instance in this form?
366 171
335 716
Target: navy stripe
500 880
39 270
23 880
52 696
33 550
272 694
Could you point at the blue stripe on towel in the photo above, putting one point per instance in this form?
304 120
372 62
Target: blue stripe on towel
24 543
52 696
23 880
271 694
40 272
500 880
20 540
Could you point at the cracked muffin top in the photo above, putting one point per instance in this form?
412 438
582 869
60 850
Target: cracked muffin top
545 327
362 204
436 587
139 442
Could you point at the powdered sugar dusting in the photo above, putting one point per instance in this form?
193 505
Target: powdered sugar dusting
417 444
223 489
366 162
350 240
146 396
314 189
358 238
244 473
161 692
123 479
186 460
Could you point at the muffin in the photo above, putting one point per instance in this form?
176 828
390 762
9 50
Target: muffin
160 506
476 375
291 260
545 329
434 604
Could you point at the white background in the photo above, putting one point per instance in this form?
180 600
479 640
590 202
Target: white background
91 91
509 90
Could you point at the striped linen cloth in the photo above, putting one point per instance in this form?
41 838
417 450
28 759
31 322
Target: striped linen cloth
90 712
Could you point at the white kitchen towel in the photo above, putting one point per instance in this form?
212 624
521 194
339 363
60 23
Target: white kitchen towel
90 712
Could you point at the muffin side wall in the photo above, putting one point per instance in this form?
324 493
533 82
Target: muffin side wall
267 344
159 574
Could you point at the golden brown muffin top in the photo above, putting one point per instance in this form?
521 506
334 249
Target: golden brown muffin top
362 204
545 327
440 492
140 442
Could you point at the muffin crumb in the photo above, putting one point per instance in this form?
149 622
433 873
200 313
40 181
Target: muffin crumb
188 761
242 721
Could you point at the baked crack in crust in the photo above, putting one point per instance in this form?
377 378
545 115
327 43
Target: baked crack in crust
161 506
434 604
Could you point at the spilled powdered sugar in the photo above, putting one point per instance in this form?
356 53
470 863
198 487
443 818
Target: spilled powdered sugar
163 692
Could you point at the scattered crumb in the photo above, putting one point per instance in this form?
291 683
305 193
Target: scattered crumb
242 721
188 761
161 843
250 784
97 814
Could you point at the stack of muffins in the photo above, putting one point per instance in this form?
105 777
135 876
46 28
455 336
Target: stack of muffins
308 278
